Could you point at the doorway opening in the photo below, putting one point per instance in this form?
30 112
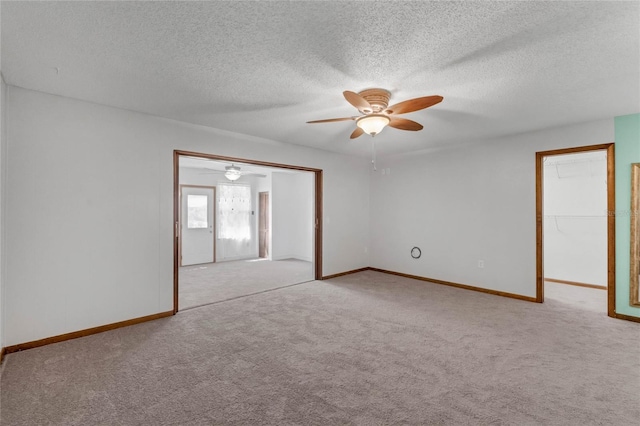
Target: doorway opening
243 227
575 226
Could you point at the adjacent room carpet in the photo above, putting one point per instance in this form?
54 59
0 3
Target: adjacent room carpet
213 282
363 349
583 298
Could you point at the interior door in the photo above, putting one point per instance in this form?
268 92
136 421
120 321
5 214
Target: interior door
197 225
263 225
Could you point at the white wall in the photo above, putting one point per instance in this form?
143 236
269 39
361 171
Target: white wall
302 245
292 216
281 233
89 210
192 176
575 222
465 204
3 128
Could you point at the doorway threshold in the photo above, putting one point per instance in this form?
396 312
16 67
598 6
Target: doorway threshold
244 295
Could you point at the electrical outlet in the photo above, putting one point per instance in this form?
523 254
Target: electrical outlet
366 249
481 264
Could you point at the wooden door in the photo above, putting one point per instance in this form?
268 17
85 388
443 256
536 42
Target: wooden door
263 225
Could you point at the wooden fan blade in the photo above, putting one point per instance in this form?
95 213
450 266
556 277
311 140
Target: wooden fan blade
357 132
331 120
415 104
357 101
404 124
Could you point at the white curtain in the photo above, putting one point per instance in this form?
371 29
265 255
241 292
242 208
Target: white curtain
234 212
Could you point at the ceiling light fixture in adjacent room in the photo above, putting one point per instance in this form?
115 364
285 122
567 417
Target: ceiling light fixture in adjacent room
232 173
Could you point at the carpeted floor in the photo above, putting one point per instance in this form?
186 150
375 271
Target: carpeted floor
582 298
213 282
363 349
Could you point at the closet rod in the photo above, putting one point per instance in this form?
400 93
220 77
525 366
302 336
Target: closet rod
574 216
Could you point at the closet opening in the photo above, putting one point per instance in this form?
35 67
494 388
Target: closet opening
575 225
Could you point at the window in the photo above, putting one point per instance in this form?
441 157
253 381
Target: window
197 216
234 212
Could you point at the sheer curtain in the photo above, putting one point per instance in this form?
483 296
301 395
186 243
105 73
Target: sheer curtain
234 212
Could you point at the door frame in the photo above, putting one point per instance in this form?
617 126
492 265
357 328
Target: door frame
611 219
267 224
214 206
176 207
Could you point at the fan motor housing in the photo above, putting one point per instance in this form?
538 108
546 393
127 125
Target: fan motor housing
378 98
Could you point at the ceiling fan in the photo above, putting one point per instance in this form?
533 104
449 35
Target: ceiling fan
234 173
373 104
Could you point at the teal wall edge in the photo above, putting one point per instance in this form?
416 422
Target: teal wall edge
627 149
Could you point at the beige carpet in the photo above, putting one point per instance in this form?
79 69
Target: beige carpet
582 298
363 349
213 282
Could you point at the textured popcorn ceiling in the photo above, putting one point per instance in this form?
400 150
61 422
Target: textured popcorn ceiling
265 68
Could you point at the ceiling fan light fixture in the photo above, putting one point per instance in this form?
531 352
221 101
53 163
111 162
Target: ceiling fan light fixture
373 103
373 124
232 173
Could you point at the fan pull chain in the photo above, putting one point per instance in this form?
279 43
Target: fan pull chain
373 154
